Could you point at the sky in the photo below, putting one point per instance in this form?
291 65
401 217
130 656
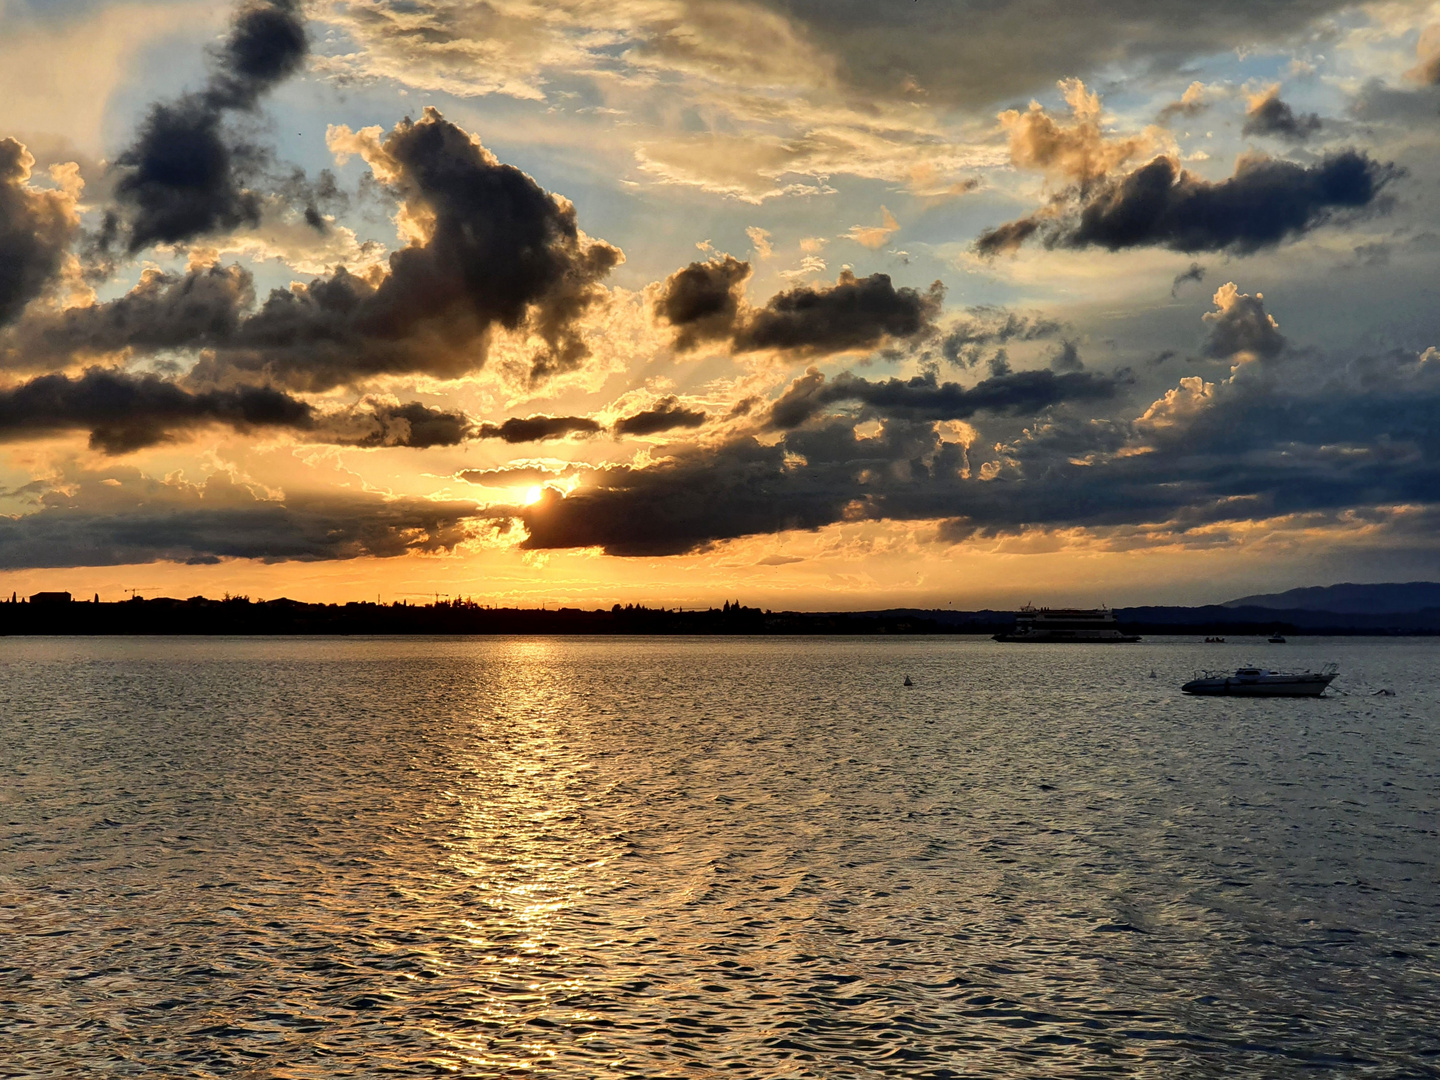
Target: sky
822 305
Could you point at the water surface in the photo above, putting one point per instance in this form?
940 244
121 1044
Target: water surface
712 857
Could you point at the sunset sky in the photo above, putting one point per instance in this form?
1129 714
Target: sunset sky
807 303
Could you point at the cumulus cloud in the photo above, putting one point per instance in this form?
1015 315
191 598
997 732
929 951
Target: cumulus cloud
125 412
1079 151
1241 327
665 415
120 517
1194 101
854 313
1266 114
201 308
761 239
705 301
186 175
36 229
490 250
1161 204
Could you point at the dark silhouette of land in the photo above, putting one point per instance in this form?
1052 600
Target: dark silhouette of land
57 613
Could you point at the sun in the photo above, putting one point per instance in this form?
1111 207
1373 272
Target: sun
532 496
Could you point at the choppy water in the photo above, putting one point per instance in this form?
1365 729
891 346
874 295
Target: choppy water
705 858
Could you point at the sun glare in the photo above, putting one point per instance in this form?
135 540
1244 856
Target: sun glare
533 494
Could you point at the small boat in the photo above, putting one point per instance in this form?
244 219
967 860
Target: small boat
1277 638
1214 641
1259 682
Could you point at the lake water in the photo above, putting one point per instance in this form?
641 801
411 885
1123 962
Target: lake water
713 857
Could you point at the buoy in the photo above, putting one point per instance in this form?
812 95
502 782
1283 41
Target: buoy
908 682
1152 673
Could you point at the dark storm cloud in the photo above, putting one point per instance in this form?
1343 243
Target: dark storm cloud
539 428
666 415
1163 205
703 300
120 517
1268 115
126 412
925 398
186 174
36 228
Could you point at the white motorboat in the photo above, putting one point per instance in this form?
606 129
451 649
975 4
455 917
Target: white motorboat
1260 682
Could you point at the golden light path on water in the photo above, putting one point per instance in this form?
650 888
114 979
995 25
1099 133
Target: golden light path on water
300 859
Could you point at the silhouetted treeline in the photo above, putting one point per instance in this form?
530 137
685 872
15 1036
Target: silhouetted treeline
240 615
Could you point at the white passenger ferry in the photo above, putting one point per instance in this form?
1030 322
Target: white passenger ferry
1087 625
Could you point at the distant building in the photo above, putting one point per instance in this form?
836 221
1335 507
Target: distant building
50 598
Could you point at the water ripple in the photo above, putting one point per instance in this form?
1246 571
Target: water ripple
748 858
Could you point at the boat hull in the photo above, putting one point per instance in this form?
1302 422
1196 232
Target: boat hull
1312 686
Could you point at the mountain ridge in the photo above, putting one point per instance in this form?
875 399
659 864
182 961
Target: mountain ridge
1348 598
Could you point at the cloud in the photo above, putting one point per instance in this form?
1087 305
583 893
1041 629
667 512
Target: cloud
875 237
203 307
36 229
1194 101
761 239
1241 327
377 421
127 412
854 313
1266 114
121 517
512 476
490 250
964 341
924 397
186 175
1079 151
1427 55
539 428
666 415
703 300
1194 272
1161 204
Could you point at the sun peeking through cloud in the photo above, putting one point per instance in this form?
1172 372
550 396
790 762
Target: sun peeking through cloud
534 494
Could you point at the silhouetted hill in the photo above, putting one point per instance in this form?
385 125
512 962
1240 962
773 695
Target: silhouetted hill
1349 599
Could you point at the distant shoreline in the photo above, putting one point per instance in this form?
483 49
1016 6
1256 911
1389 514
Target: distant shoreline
199 616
